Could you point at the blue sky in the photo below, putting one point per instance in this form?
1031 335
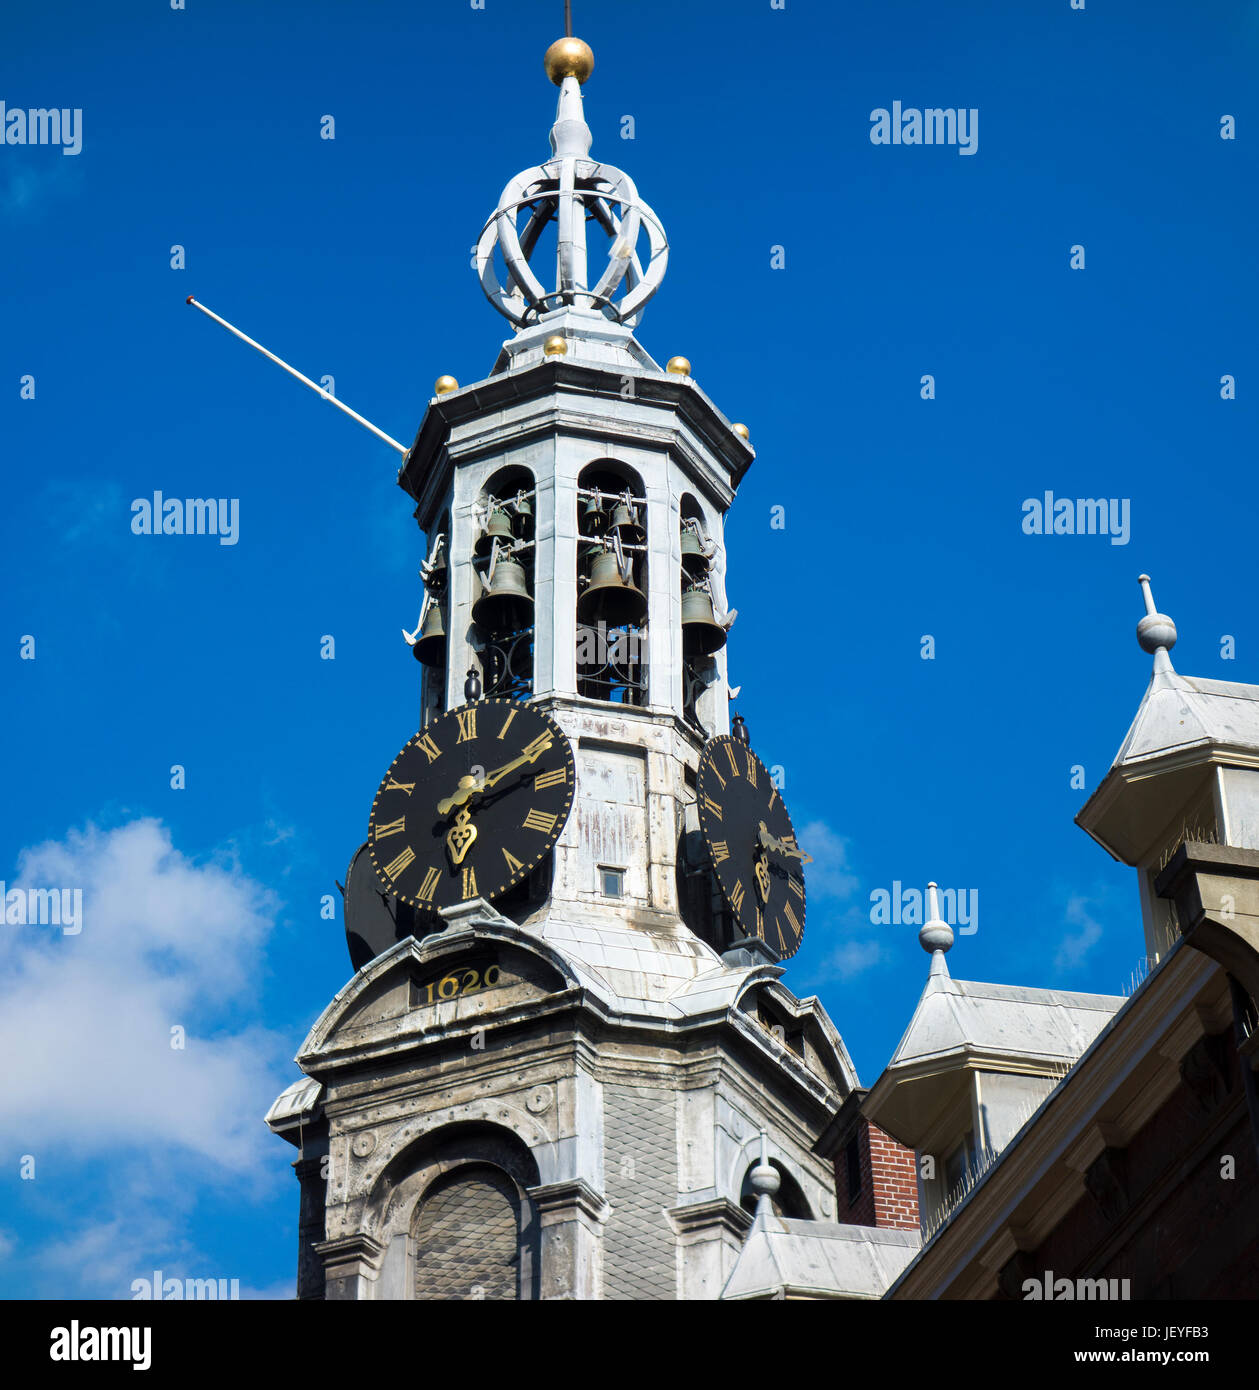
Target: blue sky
1098 128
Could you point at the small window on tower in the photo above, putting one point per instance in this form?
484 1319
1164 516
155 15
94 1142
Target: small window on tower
611 882
853 1156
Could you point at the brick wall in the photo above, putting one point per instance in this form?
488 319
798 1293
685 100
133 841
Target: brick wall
888 1192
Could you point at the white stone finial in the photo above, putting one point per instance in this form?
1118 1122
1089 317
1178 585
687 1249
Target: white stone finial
935 935
577 192
765 1181
1155 632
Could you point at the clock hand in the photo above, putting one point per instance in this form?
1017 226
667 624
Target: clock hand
531 755
470 786
769 841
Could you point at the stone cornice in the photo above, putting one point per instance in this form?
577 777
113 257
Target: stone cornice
702 1218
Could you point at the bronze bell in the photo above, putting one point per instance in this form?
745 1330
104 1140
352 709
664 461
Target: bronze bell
701 632
608 597
498 528
522 505
430 646
694 561
594 516
506 606
625 523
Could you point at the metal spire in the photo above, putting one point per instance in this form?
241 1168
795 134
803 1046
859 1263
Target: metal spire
1155 632
575 190
935 934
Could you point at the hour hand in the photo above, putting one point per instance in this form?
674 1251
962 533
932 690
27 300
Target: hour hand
792 851
469 786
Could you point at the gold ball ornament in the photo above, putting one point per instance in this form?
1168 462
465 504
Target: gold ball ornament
679 366
741 431
568 58
555 346
444 385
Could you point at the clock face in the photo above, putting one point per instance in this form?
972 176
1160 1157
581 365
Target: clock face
753 846
471 804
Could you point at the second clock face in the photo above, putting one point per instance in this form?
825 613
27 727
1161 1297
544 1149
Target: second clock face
471 804
755 856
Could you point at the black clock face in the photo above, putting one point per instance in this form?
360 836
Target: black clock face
471 804
753 846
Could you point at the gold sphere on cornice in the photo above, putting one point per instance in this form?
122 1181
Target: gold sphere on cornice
679 366
741 431
569 58
444 385
555 346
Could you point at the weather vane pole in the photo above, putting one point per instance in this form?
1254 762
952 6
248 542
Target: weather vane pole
568 19
305 380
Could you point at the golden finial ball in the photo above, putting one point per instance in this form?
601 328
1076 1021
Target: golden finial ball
555 346
741 431
569 58
444 385
679 366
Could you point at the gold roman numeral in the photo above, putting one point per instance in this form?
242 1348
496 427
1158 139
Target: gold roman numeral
550 779
392 786
760 924
467 724
539 820
712 806
401 862
796 885
394 827
734 767
751 769
736 898
712 767
791 917
426 889
469 882
514 865
431 750
720 852
511 714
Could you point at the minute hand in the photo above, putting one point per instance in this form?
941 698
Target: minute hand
531 755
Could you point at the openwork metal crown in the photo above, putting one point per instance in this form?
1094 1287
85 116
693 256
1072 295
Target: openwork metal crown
575 190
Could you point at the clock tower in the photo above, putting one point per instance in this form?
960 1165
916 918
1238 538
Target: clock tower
565 1065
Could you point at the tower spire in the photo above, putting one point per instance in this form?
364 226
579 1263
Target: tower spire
935 934
1155 632
576 191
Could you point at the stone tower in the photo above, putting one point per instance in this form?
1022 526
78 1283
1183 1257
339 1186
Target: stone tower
591 1126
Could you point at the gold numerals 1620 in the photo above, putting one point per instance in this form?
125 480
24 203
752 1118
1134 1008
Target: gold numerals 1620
461 982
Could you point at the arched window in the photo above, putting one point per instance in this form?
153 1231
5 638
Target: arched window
432 642
611 584
503 559
467 1236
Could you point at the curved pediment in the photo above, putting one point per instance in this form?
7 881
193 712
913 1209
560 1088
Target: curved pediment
449 982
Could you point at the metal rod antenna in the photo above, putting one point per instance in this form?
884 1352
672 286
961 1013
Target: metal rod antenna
305 380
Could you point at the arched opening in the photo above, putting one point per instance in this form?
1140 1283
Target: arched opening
432 641
611 653
702 635
503 563
788 1202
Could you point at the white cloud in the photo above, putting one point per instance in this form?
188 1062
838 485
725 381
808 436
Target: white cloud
851 959
830 875
164 942
1077 944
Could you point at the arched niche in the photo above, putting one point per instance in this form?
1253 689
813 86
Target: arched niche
457 1201
437 589
788 1202
612 583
